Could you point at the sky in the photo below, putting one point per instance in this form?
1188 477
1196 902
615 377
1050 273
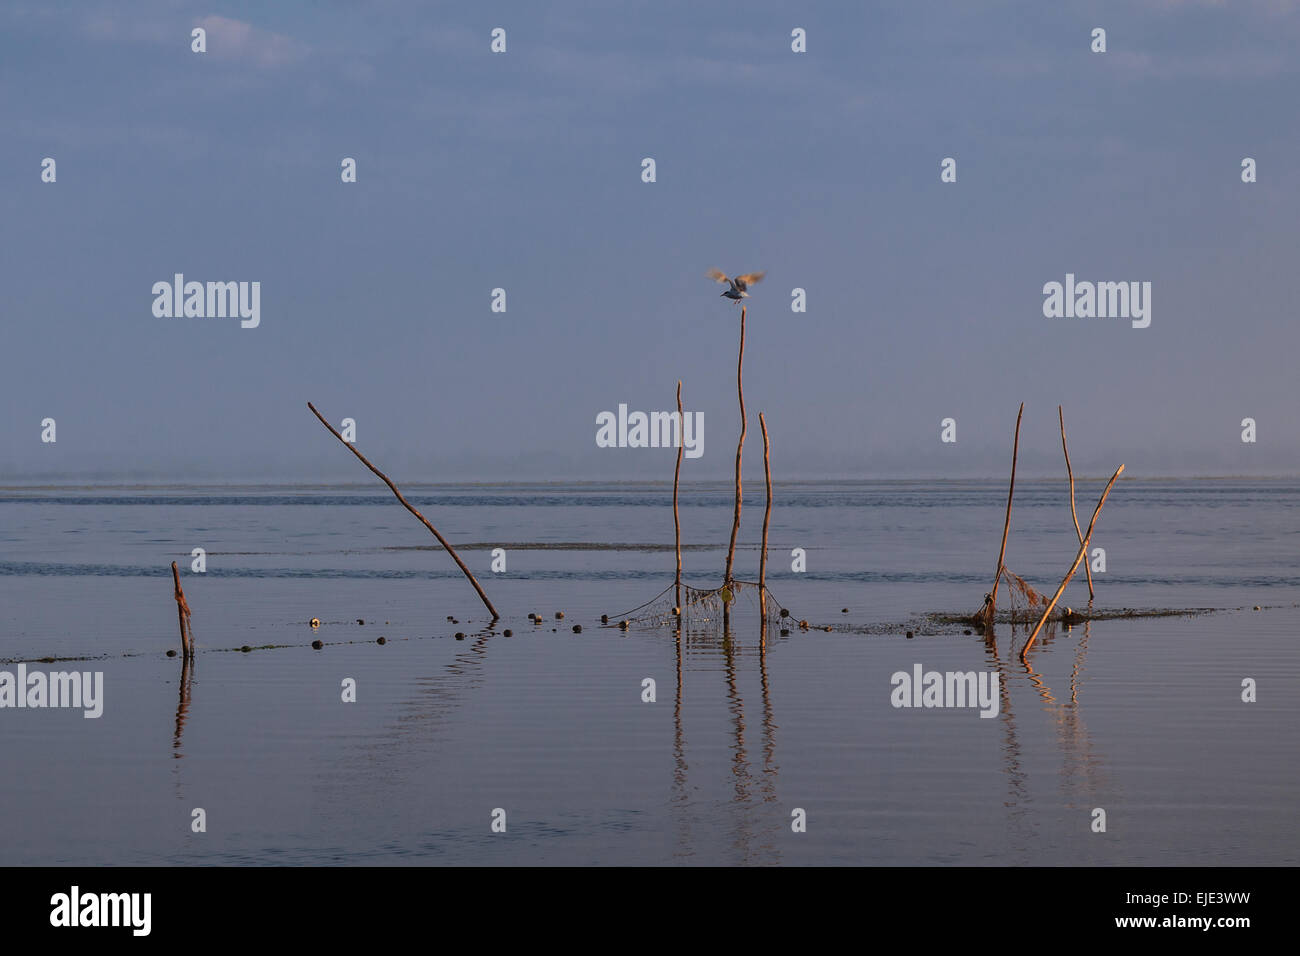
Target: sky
523 170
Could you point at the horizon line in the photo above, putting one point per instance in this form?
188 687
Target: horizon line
72 484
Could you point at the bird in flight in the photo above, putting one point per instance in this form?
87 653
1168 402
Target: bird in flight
739 286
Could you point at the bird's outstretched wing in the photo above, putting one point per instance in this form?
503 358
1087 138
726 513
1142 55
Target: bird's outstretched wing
717 276
749 279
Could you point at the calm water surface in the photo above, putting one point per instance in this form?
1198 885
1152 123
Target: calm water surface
1142 718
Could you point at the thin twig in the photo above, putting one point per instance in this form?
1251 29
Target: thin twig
1083 549
406 504
1073 514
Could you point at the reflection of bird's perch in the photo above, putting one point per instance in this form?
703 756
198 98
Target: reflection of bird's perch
183 613
1083 550
407 505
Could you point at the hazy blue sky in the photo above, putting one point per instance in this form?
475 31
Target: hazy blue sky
523 170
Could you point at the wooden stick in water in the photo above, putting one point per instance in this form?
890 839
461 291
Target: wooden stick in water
1073 514
183 614
767 517
1083 549
407 505
677 474
992 604
740 447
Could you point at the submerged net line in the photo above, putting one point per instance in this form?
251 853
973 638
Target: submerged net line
703 607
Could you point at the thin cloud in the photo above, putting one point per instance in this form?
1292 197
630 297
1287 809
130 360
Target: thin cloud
106 26
237 40
227 39
1217 65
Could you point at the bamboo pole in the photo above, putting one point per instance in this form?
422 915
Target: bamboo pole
183 615
740 447
406 504
677 474
991 603
1083 549
1073 514
767 517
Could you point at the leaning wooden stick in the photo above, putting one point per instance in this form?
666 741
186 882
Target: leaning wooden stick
1083 549
1073 514
740 448
991 603
677 474
407 505
767 517
183 613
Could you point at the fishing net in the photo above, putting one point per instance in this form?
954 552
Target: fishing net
1023 599
702 609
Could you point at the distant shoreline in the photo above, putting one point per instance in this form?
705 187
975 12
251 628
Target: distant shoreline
83 485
